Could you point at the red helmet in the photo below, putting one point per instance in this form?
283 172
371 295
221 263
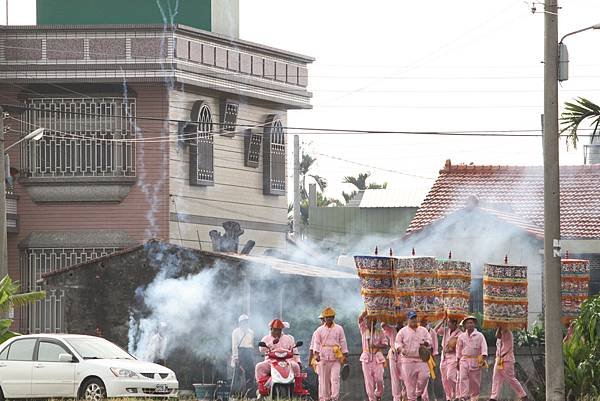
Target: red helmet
276 324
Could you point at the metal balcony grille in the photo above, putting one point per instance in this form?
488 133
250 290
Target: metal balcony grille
82 138
47 316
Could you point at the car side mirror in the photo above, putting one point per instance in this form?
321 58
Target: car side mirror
65 358
299 344
262 344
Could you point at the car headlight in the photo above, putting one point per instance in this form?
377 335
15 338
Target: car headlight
123 372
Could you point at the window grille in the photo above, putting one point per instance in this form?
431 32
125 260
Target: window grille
229 114
274 157
82 137
47 316
201 149
252 146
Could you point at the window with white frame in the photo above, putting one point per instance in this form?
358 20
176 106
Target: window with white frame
85 137
202 171
274 157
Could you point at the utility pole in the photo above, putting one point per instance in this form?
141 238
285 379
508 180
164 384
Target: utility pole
3 247
555 379
297 216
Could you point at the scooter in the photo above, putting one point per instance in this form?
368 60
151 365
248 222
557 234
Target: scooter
281 383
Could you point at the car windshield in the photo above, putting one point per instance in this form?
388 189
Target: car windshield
97 348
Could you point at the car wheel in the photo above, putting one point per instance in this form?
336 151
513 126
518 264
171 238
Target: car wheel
1 395
92 390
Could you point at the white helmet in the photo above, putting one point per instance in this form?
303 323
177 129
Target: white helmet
242 318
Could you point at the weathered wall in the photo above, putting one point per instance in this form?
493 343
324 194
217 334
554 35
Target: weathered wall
237 193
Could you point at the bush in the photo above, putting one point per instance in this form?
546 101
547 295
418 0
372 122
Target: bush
582 354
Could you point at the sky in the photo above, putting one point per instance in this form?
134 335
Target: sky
418 66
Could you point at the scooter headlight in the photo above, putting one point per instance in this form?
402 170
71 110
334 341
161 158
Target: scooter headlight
281 354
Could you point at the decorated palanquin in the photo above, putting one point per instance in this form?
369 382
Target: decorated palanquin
505 296
426 296
454 280
391 286
376 275
575 281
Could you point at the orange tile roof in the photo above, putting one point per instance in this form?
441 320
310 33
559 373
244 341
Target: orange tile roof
520 191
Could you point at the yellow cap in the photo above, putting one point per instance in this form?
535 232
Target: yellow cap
328 312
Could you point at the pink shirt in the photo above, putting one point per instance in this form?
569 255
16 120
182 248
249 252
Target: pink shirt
470 346
326 338
370 339
505 347
409 340
285 342
390 334
446 336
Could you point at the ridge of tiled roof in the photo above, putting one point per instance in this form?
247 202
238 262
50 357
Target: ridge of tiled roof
520 187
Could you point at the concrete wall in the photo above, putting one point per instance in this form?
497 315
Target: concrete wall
237 193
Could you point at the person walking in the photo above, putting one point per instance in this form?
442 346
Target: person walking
471 353
504 367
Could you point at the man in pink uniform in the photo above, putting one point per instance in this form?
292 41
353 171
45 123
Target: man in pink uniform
275 340
330 352
398 389
471 352
371 358
448 365
414 371
434 345
504 368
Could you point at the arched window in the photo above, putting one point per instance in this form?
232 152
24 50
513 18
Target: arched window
274 157
202 171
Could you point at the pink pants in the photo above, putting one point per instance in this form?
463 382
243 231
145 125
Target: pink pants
506 374
449 374
396 378
373 374
329 380
263 369
416 375
469 381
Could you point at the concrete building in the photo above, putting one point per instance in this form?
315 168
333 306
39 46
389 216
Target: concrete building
152 130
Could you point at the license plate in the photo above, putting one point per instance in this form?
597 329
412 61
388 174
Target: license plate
162 388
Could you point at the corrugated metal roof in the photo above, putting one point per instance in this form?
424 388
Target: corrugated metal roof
279 265
392 198
293 268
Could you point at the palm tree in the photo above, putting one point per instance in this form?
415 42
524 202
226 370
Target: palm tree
360 182
9 299
575 113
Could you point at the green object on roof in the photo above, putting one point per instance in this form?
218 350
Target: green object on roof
194 13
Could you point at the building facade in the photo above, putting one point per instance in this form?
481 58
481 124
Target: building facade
162 131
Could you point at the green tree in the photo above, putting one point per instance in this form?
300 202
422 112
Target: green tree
307 164
360 183
577 112
582 353
9 299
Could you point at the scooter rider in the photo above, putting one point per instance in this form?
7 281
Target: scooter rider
276 340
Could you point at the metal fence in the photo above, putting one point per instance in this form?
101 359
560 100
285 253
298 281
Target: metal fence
83 138
47 316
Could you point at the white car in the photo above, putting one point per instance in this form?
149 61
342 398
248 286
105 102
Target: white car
86 367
